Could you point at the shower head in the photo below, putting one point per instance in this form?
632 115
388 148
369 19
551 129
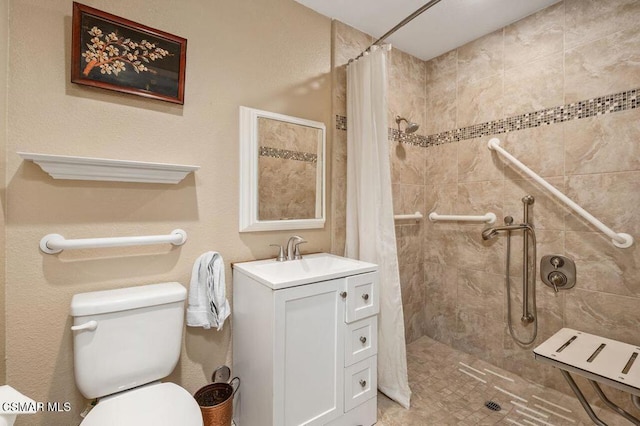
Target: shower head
489 233
410 127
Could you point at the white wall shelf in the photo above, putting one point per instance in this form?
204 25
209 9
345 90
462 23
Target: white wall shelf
102 169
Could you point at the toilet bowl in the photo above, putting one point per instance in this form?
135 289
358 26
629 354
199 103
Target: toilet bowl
153 404
124 342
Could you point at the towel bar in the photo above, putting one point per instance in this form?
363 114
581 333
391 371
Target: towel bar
489 218
415 216
55 243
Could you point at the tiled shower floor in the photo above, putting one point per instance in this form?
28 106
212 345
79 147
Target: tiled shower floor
444 395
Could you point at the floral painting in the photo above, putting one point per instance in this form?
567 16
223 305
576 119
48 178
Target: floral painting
117 54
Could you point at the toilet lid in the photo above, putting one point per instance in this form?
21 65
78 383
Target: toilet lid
157 404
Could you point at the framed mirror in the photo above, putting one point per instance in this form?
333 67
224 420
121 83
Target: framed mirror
282 172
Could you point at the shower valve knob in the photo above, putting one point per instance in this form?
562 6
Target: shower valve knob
557 279
557 262
558 272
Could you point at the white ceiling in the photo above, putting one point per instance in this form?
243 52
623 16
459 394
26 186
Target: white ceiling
445 26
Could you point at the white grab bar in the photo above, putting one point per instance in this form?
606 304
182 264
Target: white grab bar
489 218
55 243
415 216
620 239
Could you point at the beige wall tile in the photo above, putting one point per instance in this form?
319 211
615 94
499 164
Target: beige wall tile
600 266
613 198
479 335
440 93
407 163
439 198
535 36
589 20
478 198
406 89
409 243
480 101
408 199
411 280
481 293
534 86
476 254
348 43
604 143
481 58
608 65
440 301
539 148
477 163
603 314
441 164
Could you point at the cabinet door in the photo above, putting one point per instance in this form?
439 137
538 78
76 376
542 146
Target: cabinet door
308 355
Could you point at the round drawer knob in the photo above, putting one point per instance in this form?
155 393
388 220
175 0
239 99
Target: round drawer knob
343 294
363 383
365 296
363 339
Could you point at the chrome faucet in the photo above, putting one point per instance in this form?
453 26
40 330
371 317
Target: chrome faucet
293 251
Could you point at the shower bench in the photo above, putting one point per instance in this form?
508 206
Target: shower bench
598 359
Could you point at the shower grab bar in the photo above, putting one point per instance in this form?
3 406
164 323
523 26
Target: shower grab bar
488 218
619 239
415 216
55 243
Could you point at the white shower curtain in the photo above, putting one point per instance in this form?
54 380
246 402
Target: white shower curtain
370 233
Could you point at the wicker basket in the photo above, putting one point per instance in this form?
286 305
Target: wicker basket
216 403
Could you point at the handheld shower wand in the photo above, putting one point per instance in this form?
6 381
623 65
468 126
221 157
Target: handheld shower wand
527 317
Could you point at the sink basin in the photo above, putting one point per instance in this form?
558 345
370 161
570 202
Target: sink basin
311 268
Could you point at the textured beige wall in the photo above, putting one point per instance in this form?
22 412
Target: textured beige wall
3 142
272 55
453 282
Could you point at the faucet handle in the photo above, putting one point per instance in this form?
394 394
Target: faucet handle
296 250
281 257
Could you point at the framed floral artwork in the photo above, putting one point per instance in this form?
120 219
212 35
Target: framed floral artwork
115 53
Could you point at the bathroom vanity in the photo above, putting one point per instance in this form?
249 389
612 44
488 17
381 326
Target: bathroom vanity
305 341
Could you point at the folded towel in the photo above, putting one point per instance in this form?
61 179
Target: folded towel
208 305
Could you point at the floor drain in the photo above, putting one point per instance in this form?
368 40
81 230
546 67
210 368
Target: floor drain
494 406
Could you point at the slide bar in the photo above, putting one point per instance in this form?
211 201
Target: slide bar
55 243
620 240
488 218
415 216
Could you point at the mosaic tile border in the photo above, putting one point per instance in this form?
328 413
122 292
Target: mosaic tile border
608 104
285 154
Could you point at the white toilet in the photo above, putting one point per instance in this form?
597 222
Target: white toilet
125 341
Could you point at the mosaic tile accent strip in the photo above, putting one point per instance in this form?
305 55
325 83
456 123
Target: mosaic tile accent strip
608 104
285 154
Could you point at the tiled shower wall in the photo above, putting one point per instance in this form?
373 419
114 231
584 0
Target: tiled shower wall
452 280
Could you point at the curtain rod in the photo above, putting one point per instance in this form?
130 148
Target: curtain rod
404 22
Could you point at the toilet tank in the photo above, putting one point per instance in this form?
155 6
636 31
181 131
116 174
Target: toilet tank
136 339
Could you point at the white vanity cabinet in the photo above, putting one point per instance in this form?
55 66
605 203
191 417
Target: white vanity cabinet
305 347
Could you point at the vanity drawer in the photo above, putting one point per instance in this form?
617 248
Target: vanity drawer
362 296
360 382
360 340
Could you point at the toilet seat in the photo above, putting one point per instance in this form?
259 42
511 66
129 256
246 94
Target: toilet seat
157 404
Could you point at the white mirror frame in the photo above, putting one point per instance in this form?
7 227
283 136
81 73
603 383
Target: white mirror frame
249 174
